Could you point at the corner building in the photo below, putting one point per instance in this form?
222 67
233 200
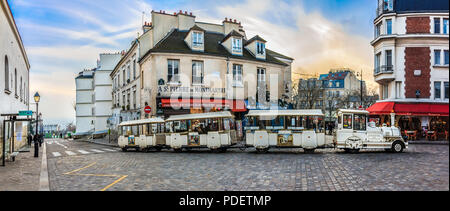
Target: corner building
196 67
411 47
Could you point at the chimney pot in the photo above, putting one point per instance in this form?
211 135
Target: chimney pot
226 19
235 20
190 13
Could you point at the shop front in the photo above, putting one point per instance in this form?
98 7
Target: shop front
416 120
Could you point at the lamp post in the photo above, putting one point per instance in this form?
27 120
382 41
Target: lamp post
37 98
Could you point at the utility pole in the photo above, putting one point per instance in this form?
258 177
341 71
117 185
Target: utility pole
362 88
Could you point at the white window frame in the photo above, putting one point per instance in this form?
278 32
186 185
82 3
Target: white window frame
262 74
197 39
238 75
236 45
260 48
445 26
440 90
387 27
448 60
175 76
196 71
436 56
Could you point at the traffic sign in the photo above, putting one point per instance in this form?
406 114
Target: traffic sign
148 109
25 113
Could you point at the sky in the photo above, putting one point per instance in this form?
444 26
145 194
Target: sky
62 38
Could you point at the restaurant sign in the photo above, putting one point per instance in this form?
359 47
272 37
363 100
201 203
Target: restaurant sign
189 90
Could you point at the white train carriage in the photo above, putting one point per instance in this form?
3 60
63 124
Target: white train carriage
215 131
142 135
286 129
354 133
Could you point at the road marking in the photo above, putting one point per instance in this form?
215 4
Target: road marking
115 182
80 169
73 173
70 153
61 145
96 150
56 154
83 152
110 150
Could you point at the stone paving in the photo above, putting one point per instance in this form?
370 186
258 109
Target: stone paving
23 174
422 167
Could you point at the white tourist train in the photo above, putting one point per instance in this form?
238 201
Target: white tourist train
355 133
286 129
265 129
215 131
142 134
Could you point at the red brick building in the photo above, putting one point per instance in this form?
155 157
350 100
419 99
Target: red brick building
411 48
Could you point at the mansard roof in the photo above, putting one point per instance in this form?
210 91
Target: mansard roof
174 43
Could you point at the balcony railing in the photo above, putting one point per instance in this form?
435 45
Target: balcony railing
384 69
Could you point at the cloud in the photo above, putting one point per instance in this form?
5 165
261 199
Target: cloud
316 43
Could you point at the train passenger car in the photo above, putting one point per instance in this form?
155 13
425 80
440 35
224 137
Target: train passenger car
354 133
286 129
142 135
215 131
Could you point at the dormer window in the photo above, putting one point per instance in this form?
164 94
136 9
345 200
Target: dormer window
197 39
260 48
237 45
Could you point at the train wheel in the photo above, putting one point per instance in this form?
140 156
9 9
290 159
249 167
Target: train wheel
223 150
398 147
351 151
158 149
309 151
178 150
124 150
262 151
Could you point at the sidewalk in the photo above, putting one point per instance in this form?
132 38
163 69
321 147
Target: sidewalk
23 174
103 141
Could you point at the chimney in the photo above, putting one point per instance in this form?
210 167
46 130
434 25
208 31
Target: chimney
190 13
226 19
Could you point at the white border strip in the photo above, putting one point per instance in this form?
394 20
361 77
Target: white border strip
43 180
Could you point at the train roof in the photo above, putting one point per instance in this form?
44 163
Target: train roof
213 115
305 112
143 121
353 111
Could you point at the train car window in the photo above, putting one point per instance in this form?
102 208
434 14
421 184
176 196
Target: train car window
360 122
348 121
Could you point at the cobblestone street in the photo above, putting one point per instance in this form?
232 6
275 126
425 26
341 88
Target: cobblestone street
422 167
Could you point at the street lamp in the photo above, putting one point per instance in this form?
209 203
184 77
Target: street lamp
37 98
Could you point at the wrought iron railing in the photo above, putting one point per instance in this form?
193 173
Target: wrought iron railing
384 69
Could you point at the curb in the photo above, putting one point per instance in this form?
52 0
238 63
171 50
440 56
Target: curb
43 180
429 143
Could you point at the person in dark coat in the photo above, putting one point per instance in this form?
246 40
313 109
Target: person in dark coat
40 139
29 139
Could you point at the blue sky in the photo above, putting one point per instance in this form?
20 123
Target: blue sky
64 37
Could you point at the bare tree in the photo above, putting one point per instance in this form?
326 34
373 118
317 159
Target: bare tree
309 94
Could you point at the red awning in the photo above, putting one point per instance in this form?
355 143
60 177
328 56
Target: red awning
385 108
421 109
234 105
409 109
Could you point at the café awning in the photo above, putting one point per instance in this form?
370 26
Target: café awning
409 109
